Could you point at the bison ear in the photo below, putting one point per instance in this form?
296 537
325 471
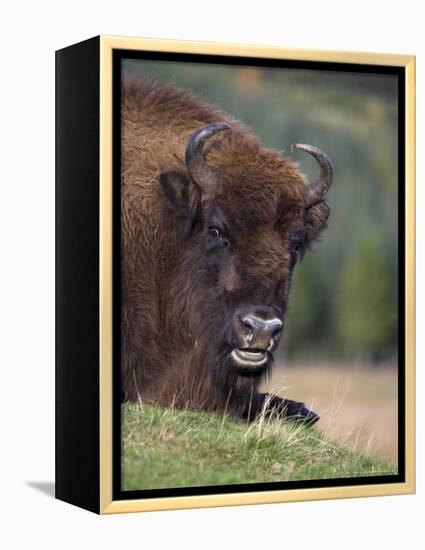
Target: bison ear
316 220
176 188
183 199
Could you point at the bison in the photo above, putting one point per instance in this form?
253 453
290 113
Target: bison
212 226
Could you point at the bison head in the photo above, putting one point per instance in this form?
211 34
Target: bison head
241 218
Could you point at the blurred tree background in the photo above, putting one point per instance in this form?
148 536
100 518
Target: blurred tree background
343 305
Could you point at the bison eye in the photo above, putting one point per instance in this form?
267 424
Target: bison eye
214 232
296 252
298 249
296 245
216 239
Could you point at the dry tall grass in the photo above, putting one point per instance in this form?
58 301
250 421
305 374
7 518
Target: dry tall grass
358 406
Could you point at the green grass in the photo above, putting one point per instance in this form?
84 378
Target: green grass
164 447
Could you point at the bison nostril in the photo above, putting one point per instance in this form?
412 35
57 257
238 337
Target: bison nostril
247 329
277 332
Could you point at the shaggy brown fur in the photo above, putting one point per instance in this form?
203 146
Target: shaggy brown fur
178 300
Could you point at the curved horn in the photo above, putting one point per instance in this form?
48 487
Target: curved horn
320 186
194 156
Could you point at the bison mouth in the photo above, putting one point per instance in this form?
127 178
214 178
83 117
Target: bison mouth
250 360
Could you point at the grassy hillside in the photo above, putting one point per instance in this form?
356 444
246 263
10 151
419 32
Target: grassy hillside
170 448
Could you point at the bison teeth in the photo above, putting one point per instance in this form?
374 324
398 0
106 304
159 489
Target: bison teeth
245 358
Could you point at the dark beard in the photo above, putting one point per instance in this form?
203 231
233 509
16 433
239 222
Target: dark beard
235 390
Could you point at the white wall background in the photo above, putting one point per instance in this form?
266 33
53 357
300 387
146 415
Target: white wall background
29 34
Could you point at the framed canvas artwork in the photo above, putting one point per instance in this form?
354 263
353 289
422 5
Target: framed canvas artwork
234 274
